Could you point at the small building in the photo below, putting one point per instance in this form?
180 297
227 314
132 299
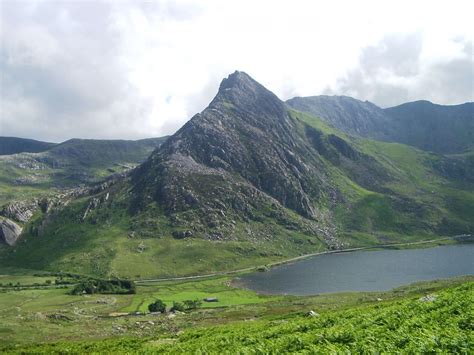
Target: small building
211 299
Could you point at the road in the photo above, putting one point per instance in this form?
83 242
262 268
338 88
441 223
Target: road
286 261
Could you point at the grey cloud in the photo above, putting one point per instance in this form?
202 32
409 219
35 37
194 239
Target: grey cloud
61 73
392 72
182 11
398 54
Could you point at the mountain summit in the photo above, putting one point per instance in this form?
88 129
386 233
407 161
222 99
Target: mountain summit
244 144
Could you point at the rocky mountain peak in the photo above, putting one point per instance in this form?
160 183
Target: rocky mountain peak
237 79
240 91
245 139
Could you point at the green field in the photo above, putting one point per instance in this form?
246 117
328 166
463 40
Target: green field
51 320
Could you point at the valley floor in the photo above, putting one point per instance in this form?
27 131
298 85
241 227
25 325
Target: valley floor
38 316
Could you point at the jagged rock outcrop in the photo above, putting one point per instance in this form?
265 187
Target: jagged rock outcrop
9 231
20 211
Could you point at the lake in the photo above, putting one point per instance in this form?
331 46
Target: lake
363 270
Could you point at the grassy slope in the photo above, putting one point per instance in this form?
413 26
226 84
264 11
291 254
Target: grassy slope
13 145
67 165
102 245
244 322
427 204
411 326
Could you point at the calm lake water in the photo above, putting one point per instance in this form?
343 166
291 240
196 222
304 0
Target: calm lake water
364 270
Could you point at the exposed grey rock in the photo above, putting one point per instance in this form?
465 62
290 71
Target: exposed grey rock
20 211
428 298
9 231
182 234
241 152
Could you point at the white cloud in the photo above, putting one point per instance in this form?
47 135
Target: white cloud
129 69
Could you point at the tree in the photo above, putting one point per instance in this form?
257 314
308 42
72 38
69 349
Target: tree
192 304
157 306
177 306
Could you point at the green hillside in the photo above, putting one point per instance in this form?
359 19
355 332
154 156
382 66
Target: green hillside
66 165
422 318
444 129
14 145
420 193
410 201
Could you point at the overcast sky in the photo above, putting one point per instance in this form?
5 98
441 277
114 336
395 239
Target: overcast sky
131 69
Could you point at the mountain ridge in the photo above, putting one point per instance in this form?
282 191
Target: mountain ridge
444 129
14 145
249 181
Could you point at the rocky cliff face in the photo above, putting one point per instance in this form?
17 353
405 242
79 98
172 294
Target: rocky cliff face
241 153
9 231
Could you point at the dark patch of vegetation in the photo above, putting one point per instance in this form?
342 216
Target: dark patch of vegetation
92 286
177 307
157 306
192 304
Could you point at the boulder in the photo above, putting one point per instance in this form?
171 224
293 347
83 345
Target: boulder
428 298
9 231
312 313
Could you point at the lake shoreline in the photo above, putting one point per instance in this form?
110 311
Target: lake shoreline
458 239
380 270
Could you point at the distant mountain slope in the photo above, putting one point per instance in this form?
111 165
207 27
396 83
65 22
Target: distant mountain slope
437 128
76 161
245 182
93 152
347 114
13 145
422 124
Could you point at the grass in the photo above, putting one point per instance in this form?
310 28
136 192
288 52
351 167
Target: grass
103 245
219 287
244 322
68 164
24 280
409 326
414 200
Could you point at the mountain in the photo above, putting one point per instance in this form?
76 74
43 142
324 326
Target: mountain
437 128
65 165
245 182
347 114
13 145
422 124
92 152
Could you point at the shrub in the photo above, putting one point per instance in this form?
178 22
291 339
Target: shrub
192 304
157 306
177 306
104 286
